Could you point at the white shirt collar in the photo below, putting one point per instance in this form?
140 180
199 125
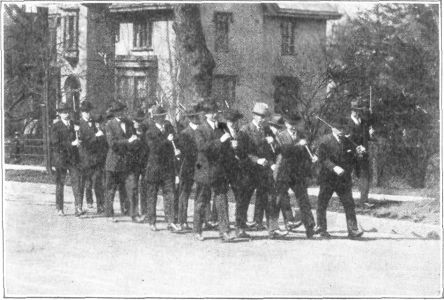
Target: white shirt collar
212 124
66 122
336 137
193 126
357 121
161 127
255 123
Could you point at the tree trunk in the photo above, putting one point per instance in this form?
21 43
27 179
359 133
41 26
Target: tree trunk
194 59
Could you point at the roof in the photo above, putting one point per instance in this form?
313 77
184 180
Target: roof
279 9
302 10
130 7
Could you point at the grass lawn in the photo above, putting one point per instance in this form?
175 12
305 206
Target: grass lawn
424 211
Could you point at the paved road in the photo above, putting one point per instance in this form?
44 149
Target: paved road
46 255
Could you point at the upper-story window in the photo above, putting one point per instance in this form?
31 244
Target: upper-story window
143 32
287 37
222 21
224 89
71 35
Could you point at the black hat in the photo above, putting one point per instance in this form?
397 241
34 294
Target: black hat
158 110
86 106
232 115
117 106
292 117
98 118
139 116
194 110
63 107
209 107
276 120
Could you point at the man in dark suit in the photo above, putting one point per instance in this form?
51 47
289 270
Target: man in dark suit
64 143
120 136
139 160
160 170
277 125
337 157
90 149
256 139
187 145
360 128
293 166
210 173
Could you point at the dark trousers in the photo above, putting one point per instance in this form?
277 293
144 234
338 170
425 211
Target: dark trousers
203 196
265 200
345 195
60 179
364 179
185 187
92 177
285 205
114 181
299 189
141 192
167 186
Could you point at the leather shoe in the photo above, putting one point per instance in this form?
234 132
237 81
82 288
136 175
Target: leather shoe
355 234
276 234
293 225
226 238
90 206
60 213
185 226
173 227
199 237
241 234
137 219
153 227
309 233
79 212
324 234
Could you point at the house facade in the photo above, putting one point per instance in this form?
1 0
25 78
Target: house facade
263 52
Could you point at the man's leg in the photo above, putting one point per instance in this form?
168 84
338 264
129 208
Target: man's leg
98 188
143 194
132 188
152 190
184 194
111 186
203 196
87 185
168 199
76 178
346 197
60 178
220 198
300 191
123 196
364 180
325 193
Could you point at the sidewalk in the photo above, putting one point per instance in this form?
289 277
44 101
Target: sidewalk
336 221
312 191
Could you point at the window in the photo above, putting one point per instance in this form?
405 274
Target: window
287 37
71 31
221 21
142 35
224 90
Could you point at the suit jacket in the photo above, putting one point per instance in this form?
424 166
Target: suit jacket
255 146
211 154
116 159
332 153
91 147
188 148
64 154
293 162
161 159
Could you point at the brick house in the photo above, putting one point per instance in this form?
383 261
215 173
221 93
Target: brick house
263 52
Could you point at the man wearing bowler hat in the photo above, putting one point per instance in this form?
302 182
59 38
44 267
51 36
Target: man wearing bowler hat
90 150
277 125
293 166
161 164
65 143
187 145
210 172
360 130
119 135
337 157
257 140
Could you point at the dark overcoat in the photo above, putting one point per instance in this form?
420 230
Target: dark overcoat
64 154
118 145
